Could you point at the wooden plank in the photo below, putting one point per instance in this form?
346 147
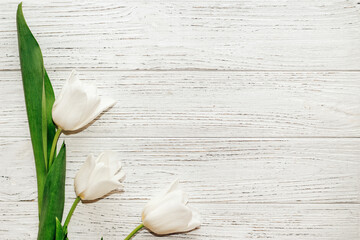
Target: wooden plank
207 104
213 170
253 108
236 35
220 221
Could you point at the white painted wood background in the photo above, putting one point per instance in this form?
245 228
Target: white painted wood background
254 105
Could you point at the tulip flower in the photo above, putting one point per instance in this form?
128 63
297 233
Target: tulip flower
168 213
96 178
78 104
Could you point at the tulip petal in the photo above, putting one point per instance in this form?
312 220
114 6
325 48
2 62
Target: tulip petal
92 113
99 173
98 177
177 195
173 186
109 159
92 102
195 221
100 189
71 79
66 109
168 213
169 218
78 104
105 157
82 177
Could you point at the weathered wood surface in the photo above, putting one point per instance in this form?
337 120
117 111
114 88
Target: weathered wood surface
244 188
220 221
214 170
132 34
254 105
208 104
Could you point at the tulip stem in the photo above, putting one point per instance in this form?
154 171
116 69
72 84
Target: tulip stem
72 209
53 146
134 231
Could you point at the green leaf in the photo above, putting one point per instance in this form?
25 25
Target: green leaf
54 197
50 126
60 234
39 98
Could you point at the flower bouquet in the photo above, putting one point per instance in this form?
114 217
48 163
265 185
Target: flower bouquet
75 107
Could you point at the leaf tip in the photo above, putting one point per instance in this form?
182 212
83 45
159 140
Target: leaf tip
19 9
19 15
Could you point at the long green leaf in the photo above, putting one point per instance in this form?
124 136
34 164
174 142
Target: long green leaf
60 234
32 69
54 197
50 126
39 98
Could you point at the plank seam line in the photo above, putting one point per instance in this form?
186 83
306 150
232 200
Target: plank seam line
192 70
171 137
216 203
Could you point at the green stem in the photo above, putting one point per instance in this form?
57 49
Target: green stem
134 231
72 209
53 146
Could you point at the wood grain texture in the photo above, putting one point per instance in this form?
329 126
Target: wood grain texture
231 221
207 104
214 170
254 105
127 35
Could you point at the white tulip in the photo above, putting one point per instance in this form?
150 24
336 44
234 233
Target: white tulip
78 104
97 177
169 213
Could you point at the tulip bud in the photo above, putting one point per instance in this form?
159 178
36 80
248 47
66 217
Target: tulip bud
169 212
97 177
78 104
